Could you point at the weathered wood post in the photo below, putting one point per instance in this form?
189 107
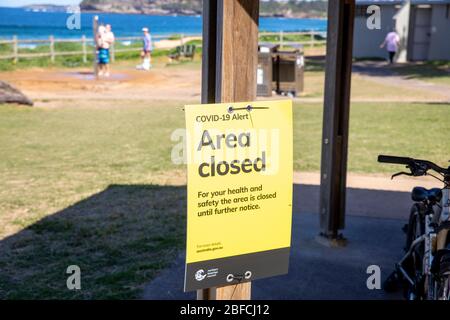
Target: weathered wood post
95 30
230 57
336 120
312 39
83 45
52 49
15 50
281 39
113 53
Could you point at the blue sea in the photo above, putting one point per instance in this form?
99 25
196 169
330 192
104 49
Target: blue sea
39 25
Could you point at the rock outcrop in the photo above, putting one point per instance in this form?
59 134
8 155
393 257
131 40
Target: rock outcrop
9 94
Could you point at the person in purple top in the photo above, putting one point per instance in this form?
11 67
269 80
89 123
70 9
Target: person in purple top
146 51
392 42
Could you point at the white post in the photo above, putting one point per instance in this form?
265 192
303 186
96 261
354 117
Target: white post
15 50
52 49
83 44
312 38
113 53
95 29
281 39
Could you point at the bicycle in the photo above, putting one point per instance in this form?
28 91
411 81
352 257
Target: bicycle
424 270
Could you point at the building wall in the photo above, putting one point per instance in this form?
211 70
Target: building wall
440 33
367 42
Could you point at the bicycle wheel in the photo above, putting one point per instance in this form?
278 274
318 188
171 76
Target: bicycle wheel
444 290
414 265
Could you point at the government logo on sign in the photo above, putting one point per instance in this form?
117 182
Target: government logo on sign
200 275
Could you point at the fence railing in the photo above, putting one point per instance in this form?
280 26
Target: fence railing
312 38
281 38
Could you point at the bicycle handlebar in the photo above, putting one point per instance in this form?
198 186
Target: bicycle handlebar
414 164
394 159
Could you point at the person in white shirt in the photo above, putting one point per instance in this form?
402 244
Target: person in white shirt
108 40
392 42
146 51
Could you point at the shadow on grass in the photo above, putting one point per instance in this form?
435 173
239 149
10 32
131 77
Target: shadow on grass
426 70
315 63
120 238
124 236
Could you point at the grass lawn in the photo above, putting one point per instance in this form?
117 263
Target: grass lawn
363 88
93 185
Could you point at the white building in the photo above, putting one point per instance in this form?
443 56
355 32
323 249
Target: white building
423 27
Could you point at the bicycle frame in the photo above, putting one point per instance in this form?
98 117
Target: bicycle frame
432 225
443 216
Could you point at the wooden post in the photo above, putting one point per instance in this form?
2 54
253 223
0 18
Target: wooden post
83 45
281 39
113 53
312 39
52 49
95 30
15 50
230 36
336 120
182 39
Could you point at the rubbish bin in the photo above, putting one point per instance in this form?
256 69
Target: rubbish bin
264 70
288 71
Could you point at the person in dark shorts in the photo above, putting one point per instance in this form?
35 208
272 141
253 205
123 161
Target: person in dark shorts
146 51
105 39
392 42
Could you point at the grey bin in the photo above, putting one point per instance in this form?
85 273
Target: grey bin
288 71
264 70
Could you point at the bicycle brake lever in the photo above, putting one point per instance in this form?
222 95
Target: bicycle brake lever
401 173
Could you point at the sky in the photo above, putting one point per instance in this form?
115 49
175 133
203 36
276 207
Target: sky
20 3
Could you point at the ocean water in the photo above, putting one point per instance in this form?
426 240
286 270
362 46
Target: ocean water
39 25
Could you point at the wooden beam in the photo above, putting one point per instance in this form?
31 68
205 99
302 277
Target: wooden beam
336 118
230 58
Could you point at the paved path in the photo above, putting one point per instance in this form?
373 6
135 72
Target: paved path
380 72
374 221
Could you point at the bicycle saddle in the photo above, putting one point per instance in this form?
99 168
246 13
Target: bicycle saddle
420 194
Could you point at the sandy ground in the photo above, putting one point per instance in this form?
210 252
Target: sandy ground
164 44
354 180
173 82
168 83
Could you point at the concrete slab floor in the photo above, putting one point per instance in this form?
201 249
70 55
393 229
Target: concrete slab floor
316 271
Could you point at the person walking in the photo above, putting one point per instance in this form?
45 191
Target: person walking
392 42
146 50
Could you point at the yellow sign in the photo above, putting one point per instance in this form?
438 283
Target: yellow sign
239 191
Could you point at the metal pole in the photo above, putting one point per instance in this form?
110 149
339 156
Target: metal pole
336 120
